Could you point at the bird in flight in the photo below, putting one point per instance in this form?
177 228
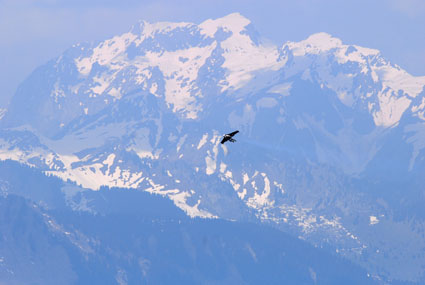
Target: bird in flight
229 137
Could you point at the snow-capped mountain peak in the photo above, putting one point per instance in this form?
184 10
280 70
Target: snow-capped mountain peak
234 23
145 29
384 89
153 46
315 44
146 110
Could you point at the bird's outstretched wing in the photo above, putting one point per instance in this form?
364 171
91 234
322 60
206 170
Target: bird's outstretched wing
228 137
232 133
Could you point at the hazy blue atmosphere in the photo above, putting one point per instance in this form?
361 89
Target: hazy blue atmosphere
36 31
212 142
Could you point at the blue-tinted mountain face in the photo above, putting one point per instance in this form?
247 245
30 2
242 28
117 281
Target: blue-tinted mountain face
330 147
73 235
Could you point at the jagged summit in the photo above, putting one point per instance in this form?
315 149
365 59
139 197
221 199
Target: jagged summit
188 65
323 42
234 23
146 29
318 43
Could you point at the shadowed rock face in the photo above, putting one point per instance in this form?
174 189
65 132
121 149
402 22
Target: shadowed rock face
330 145
30 253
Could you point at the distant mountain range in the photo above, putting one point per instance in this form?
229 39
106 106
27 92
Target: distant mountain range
330 149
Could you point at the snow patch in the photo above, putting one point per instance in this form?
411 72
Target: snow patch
202 141
181 142
245 178
140 144
101 85
282 89
2 113
180 91
315 44
234 22
223 169
105 53
399 80
373 220
266 102
115 92
391 109
57 92
193 211
210 165
242 194
211 159
261 200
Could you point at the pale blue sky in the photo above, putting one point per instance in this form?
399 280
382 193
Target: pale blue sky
34 31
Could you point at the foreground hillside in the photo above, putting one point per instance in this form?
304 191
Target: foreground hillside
56 233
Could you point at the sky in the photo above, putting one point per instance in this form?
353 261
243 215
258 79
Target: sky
34 31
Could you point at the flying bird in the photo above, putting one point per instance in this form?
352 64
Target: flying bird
229 137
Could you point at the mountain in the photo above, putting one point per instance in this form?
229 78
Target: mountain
73 235
330 145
